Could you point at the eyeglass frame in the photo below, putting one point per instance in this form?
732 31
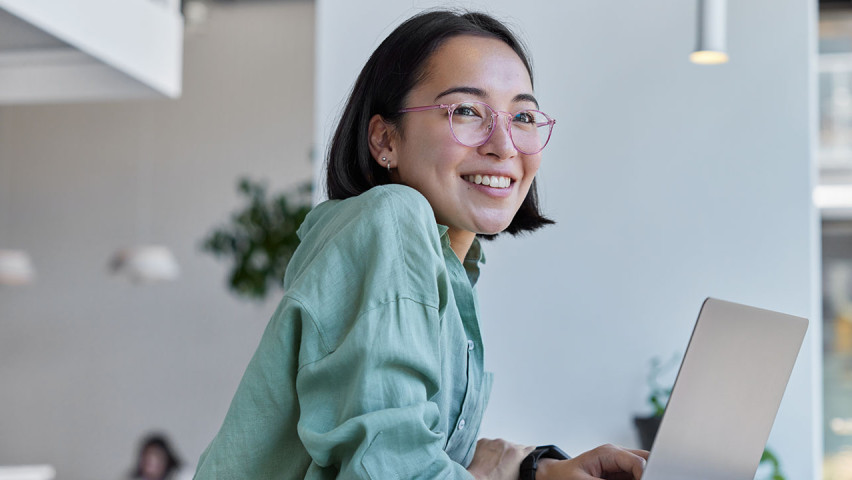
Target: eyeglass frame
496 113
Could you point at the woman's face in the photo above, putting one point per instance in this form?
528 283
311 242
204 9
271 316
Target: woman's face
426 156
154 462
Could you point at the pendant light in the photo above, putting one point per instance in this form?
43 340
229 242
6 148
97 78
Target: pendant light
16 267
144 263
27 472
710 48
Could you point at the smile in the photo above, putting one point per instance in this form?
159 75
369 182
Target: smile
492 181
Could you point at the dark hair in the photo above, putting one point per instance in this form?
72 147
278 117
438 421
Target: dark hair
392 71
159 441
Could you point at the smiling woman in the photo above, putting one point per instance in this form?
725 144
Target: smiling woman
429 155
373 364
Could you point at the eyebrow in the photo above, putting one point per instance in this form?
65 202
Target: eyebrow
478 92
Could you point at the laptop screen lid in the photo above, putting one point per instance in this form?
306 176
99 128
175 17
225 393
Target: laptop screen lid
726 394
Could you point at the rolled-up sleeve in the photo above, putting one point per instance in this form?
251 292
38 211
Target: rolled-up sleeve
366 409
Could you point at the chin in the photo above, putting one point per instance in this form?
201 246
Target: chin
493 228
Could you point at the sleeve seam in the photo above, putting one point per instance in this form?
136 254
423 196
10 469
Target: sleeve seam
329 351
307 309
394 217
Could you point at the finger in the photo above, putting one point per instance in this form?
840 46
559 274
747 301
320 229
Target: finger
642 453
584 475
620 476
616 459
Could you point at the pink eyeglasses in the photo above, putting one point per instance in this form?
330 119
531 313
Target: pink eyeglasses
472 124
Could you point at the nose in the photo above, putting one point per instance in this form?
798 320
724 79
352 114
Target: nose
500 142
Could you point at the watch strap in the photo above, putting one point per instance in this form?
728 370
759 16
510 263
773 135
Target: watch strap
530 463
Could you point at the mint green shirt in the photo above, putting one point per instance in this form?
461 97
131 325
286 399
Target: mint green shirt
372 365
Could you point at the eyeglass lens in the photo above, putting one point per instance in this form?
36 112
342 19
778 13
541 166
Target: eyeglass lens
471 124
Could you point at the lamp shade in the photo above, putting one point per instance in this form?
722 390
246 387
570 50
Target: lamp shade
16 268
146 264
28 472
710 45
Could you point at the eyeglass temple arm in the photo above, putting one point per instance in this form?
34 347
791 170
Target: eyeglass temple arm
421 109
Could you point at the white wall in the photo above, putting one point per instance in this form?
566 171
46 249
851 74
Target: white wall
670 182
88 362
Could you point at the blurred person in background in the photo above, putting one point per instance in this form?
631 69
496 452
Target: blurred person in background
157 460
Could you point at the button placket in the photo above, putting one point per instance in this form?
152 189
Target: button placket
469 402
469 415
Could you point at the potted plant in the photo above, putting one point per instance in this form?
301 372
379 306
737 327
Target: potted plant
648 425
260 238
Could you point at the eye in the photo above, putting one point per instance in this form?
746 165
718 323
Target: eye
526 116
467 110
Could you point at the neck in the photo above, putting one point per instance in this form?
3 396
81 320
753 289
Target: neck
460 241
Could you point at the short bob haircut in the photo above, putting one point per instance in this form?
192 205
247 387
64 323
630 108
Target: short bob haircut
394 69
156 440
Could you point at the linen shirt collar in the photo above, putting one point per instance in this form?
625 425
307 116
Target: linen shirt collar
474 257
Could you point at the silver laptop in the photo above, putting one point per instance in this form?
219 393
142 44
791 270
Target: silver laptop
727 393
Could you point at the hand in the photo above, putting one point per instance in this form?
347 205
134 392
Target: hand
605 462
497 459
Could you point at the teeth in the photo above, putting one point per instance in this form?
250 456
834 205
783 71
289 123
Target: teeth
490 180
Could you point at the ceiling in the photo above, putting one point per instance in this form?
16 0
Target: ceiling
20 35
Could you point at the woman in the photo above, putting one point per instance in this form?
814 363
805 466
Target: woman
372 366
157 460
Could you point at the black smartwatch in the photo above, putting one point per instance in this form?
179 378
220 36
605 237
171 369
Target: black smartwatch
530 464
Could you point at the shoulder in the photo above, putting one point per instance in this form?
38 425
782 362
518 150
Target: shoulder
381 212
389 228
365 254
392 201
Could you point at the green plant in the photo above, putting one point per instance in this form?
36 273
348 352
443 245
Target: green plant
770 458
260 238
659 396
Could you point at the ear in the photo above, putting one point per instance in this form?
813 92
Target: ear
381 138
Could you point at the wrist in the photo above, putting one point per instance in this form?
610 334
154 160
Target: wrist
542 473
530 464
476 474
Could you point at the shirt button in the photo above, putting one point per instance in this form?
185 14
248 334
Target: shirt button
461 424
470 345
